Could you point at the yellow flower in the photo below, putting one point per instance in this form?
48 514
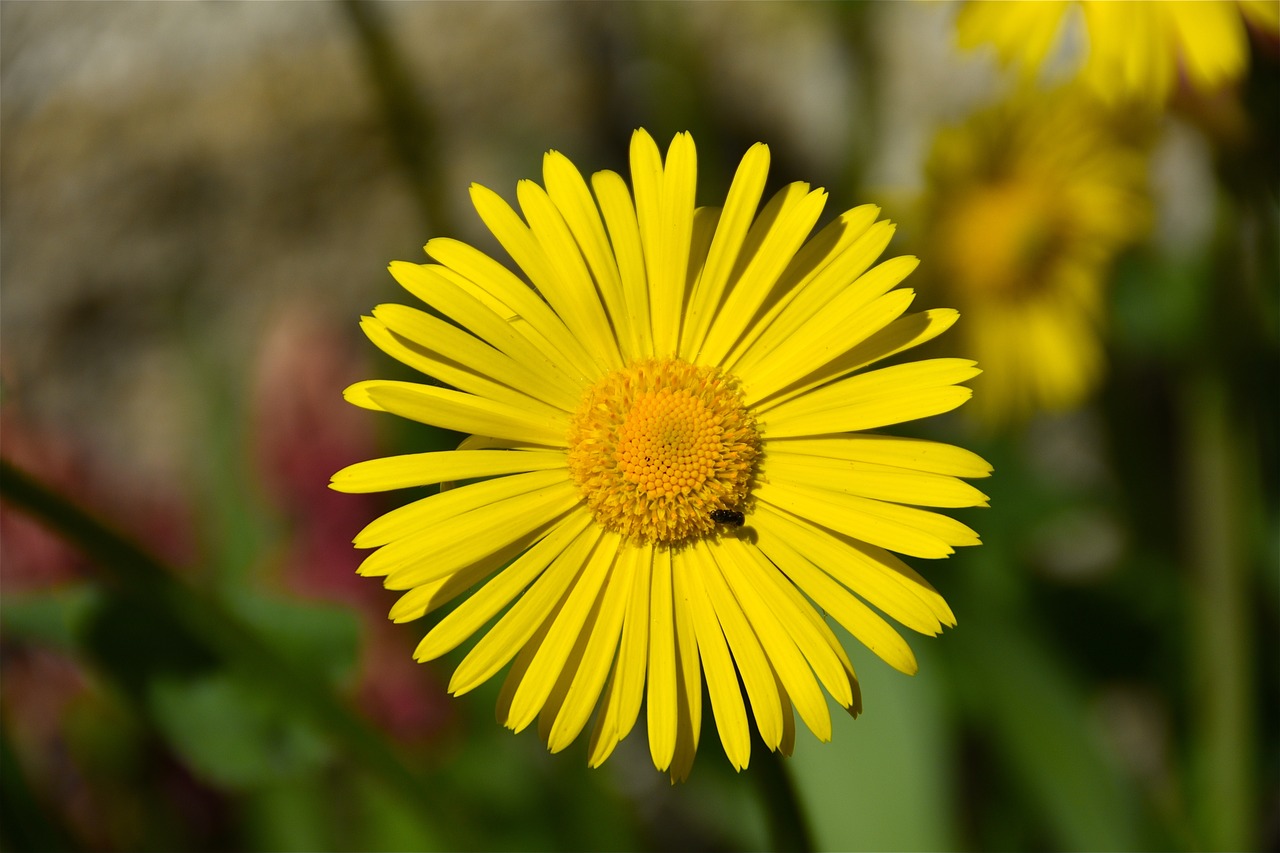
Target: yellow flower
1133 50
1027 205
671 478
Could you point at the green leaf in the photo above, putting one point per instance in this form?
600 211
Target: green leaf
320 637
883 781
232 735
1036 715
55 617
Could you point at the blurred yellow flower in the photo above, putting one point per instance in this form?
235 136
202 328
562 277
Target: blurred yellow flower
1132 50
670 474
1026 206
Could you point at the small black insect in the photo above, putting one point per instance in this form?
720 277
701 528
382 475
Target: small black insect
730 517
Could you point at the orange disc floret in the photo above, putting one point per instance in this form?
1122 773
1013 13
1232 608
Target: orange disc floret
657 446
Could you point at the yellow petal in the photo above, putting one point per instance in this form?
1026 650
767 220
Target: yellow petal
822 268
471 615
841 604
776 638
436 552
826 336
872 573
524 248
625 693
871 480
748 654
593 669
468 304
663 716
462 412
569 192
805 626
550 659
624 234
567 283
444 348
425 469
421 600
734 221
688 684
902 334
889 395
434 509
531 614
520 307
907 530
674 230
913 454
721 676
770 246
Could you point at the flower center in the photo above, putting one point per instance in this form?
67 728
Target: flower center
1003 239
659 445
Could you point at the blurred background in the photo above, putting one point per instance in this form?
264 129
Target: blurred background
198 201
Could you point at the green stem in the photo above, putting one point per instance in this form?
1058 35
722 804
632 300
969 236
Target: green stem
788 829
126 566
414 139
1223 725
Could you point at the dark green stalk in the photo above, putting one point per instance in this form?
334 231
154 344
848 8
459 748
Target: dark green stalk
788 828
1223 728
414 138
128 568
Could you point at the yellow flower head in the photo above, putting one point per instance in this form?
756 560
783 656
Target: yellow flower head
1027 205
1132 50
670 475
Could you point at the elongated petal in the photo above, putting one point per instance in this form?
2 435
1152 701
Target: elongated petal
805 625
815 274
870 480
593 669
902 334
569 286
831 333
516 303
470 616
440 508
771 244
425 469
663 713
843 606
569 192
731 230
625 693
624 234
776 639
904 529
872 573
748 655
550 659
523 245
515 630
668 276
913 454
472 307
473 536
445 346
688 683
722 681
466 412
890 395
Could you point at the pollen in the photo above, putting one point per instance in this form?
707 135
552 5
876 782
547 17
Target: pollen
659 445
